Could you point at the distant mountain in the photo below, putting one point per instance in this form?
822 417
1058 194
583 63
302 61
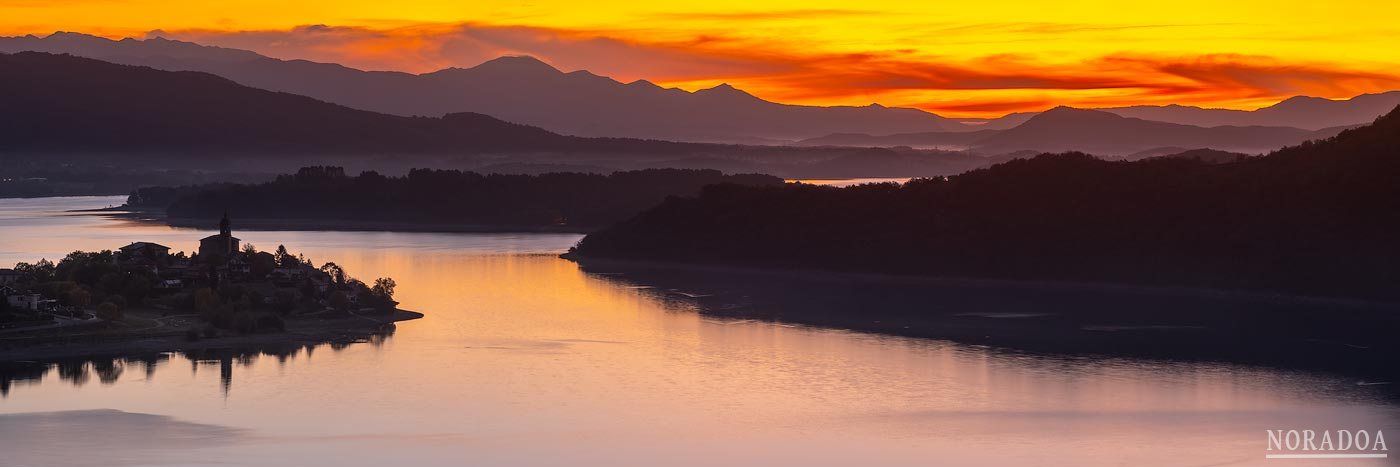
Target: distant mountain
61 107
933 139
1003 122
1103 133
517 89
60 103
1096 132
1310 113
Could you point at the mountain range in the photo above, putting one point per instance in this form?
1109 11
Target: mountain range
1309 113
528 91
1094 131
517 89
61 106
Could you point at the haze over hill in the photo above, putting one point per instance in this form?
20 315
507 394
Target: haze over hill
1093 131
1309 113
517 89
1097 132
61 106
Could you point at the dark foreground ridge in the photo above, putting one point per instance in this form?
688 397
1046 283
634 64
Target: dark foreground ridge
1314 219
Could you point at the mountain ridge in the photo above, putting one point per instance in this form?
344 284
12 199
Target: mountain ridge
531 94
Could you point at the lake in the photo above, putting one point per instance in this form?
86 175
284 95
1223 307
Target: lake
525 359
845 182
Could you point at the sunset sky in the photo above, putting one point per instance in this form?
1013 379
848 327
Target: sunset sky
982 58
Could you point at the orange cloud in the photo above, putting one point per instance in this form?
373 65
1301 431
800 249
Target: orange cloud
985 85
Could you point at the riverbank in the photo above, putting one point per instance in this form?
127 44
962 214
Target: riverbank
171 334
1351 337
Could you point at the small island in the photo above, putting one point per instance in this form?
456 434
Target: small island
141 299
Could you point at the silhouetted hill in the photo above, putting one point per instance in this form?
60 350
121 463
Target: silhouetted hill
59 103
1069 129
1317 218
1101 133
517 89
444 199
952 140
1310 113
1209 156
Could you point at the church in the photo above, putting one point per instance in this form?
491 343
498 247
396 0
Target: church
223 245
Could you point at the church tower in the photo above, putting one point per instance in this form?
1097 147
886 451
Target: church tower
221 247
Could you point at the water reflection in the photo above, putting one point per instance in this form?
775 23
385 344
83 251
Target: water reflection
1049 320
524 359
109 370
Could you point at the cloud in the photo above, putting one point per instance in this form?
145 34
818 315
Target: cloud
767 15
788 71
1251 76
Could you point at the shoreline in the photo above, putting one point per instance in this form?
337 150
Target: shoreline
1346 337
307 330
155 216
975 282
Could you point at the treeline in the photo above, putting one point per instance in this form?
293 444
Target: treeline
445 197
83 177
1319 218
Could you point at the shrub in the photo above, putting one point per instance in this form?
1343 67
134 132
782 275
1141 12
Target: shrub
109 311
271 323
244 323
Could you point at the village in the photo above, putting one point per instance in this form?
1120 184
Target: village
225 288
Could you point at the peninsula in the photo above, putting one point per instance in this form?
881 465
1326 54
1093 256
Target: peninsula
141 298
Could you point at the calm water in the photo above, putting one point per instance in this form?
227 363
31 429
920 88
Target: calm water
845 182
525 360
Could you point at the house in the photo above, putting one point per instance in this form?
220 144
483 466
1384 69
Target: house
29 301
221 246
148 250
287 276
10 276
141 263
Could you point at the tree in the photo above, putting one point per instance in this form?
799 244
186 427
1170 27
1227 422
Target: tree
137 288
339 301
283 302
205 301
336 272
249 249
282 256
39 272
109 311
78 297
384 288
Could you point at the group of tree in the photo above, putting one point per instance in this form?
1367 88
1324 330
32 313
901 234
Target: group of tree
1319 218
101 282
451 197
83 279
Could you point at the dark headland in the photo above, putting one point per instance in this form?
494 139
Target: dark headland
1292 254
141 299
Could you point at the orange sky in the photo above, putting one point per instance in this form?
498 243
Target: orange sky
955 58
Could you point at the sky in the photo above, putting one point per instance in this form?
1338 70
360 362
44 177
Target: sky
963 59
